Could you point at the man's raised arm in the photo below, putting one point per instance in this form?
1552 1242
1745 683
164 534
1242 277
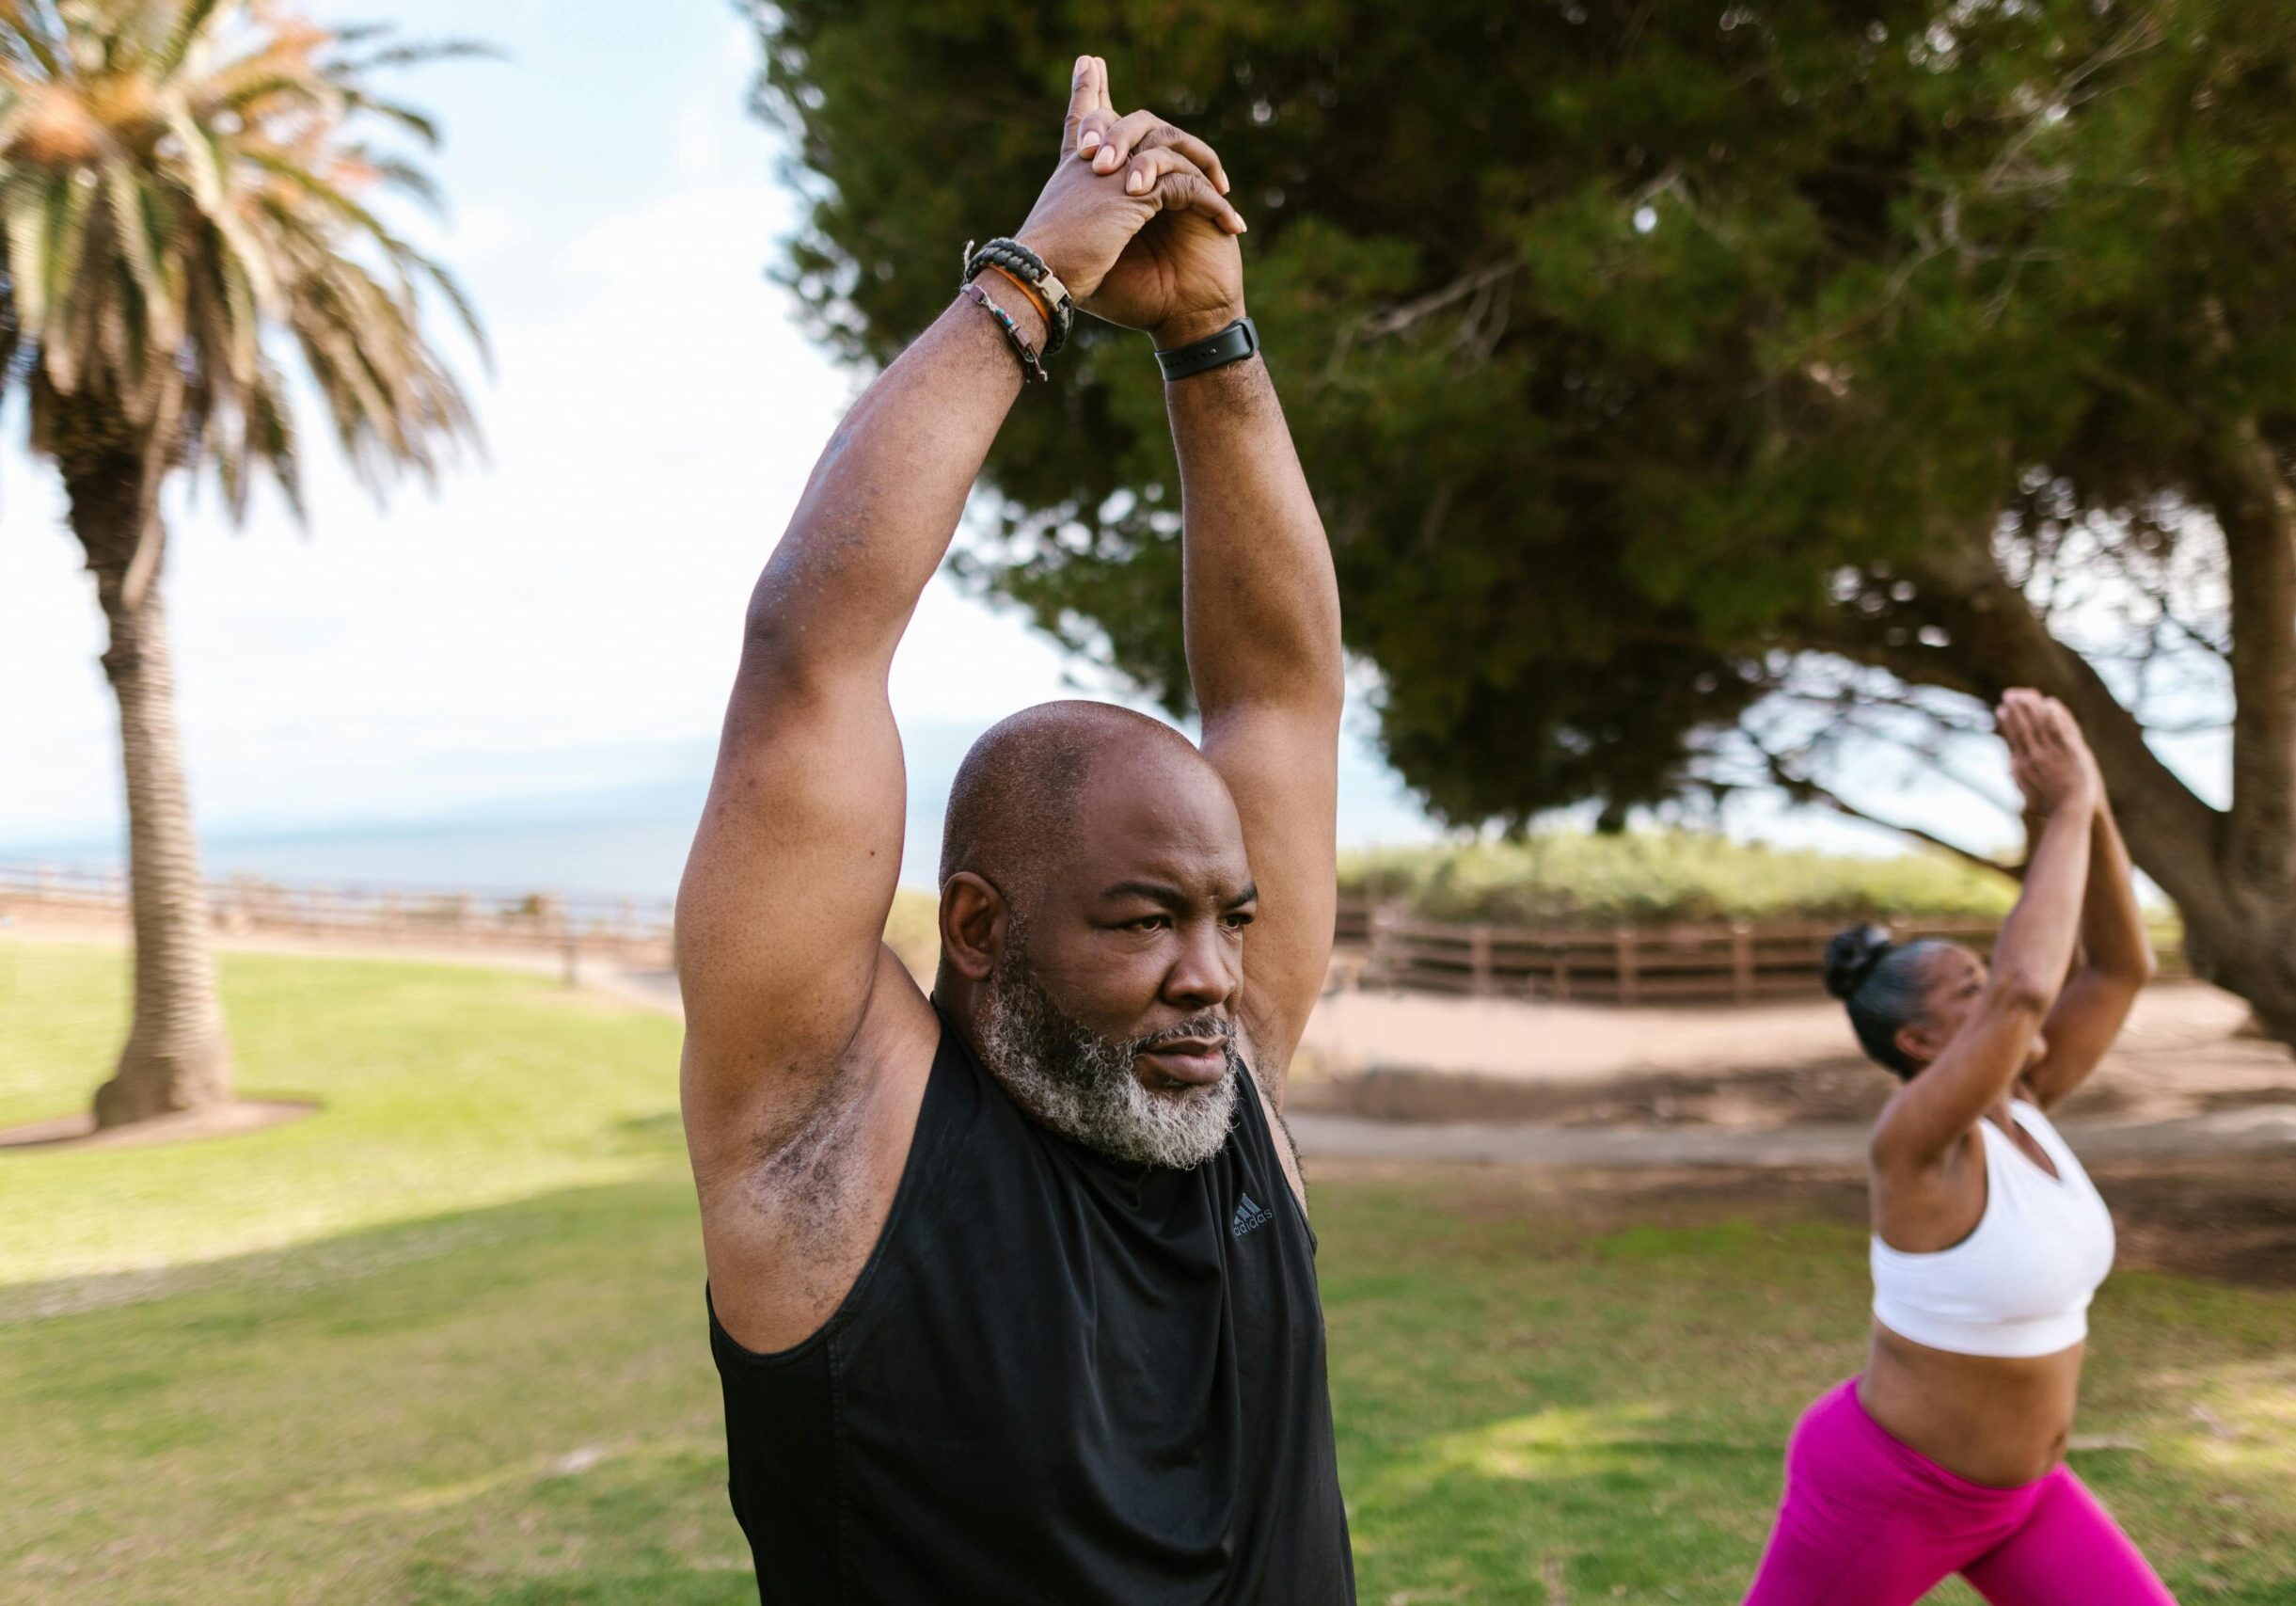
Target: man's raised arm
781 909
1262 617
1262 612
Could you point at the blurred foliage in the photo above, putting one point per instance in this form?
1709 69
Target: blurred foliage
1632 350
1557 878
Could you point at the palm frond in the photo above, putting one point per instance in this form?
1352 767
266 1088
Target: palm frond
404 116
31 35
184 196
406 178
192 19
416 55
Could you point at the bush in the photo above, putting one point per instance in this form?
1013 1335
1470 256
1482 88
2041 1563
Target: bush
1652 878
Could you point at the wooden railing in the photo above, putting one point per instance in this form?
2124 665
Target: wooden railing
631 927
1378 946
1742 962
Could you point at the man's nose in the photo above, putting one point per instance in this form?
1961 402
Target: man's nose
1202 972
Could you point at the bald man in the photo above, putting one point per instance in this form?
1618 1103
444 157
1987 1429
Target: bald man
1012 1292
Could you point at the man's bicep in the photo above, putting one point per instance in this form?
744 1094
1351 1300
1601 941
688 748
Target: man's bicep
782 910
1282 769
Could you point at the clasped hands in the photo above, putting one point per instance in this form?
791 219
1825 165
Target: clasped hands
1135 219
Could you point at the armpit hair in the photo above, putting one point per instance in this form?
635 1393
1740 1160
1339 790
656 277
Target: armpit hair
801 1170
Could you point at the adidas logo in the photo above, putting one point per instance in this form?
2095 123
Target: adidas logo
1248 1217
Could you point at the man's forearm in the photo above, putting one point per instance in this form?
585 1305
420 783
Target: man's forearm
1260 600
885 498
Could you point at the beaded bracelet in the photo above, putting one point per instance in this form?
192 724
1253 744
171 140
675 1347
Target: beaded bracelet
1031 369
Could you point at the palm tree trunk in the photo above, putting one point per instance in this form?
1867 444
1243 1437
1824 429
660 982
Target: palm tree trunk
177 1056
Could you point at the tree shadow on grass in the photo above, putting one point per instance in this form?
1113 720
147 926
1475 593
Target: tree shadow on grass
1609 1409
505 1403
663 1132
515 1405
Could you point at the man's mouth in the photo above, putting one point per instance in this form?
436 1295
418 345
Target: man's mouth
1192 1062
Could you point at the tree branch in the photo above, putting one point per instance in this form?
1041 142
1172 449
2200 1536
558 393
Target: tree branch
1802 790
1996 642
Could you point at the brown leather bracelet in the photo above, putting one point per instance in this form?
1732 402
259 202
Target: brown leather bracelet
1025 288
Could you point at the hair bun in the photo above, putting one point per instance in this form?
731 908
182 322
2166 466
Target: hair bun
1852 957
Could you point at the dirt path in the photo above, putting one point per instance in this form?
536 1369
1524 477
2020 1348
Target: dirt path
1424 1080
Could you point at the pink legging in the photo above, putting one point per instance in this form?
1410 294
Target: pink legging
1868 1521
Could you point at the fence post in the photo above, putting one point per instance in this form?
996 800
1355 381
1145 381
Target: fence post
1741 962
1563 972
1380 956
1628 989
1479 959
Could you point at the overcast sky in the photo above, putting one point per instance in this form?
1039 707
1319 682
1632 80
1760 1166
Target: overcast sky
566 614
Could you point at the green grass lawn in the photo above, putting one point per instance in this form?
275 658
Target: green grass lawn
444 1340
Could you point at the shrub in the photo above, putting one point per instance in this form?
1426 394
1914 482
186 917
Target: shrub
1651 878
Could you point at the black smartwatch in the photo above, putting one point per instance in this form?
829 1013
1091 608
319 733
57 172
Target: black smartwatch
1231 344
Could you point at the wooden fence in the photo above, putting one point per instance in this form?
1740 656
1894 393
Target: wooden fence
1379 945
632 928
1742 962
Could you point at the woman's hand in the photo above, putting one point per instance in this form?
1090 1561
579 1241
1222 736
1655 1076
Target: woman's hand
2049 758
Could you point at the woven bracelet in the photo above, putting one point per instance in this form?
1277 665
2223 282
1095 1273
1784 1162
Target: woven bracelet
1017 261
1031 369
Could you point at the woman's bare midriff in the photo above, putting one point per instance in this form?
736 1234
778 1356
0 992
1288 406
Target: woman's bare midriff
1997 1421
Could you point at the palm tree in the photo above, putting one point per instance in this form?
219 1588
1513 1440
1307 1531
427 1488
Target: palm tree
184 210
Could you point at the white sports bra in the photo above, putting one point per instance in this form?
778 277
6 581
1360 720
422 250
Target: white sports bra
2020 1283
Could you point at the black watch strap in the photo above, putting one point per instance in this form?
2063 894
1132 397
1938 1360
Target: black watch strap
1231 344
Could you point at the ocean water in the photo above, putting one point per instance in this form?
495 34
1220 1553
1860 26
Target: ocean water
627 857
624 841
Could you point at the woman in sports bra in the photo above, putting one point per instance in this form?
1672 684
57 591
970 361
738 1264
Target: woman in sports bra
1947 1454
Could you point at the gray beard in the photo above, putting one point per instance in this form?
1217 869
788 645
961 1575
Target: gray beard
1084 1086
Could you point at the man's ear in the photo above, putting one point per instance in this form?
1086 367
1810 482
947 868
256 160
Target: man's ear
975 923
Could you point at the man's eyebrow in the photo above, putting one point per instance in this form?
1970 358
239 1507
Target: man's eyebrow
1173 897
1155 892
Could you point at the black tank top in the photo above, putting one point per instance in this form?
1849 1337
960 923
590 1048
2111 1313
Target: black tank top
1060 1378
